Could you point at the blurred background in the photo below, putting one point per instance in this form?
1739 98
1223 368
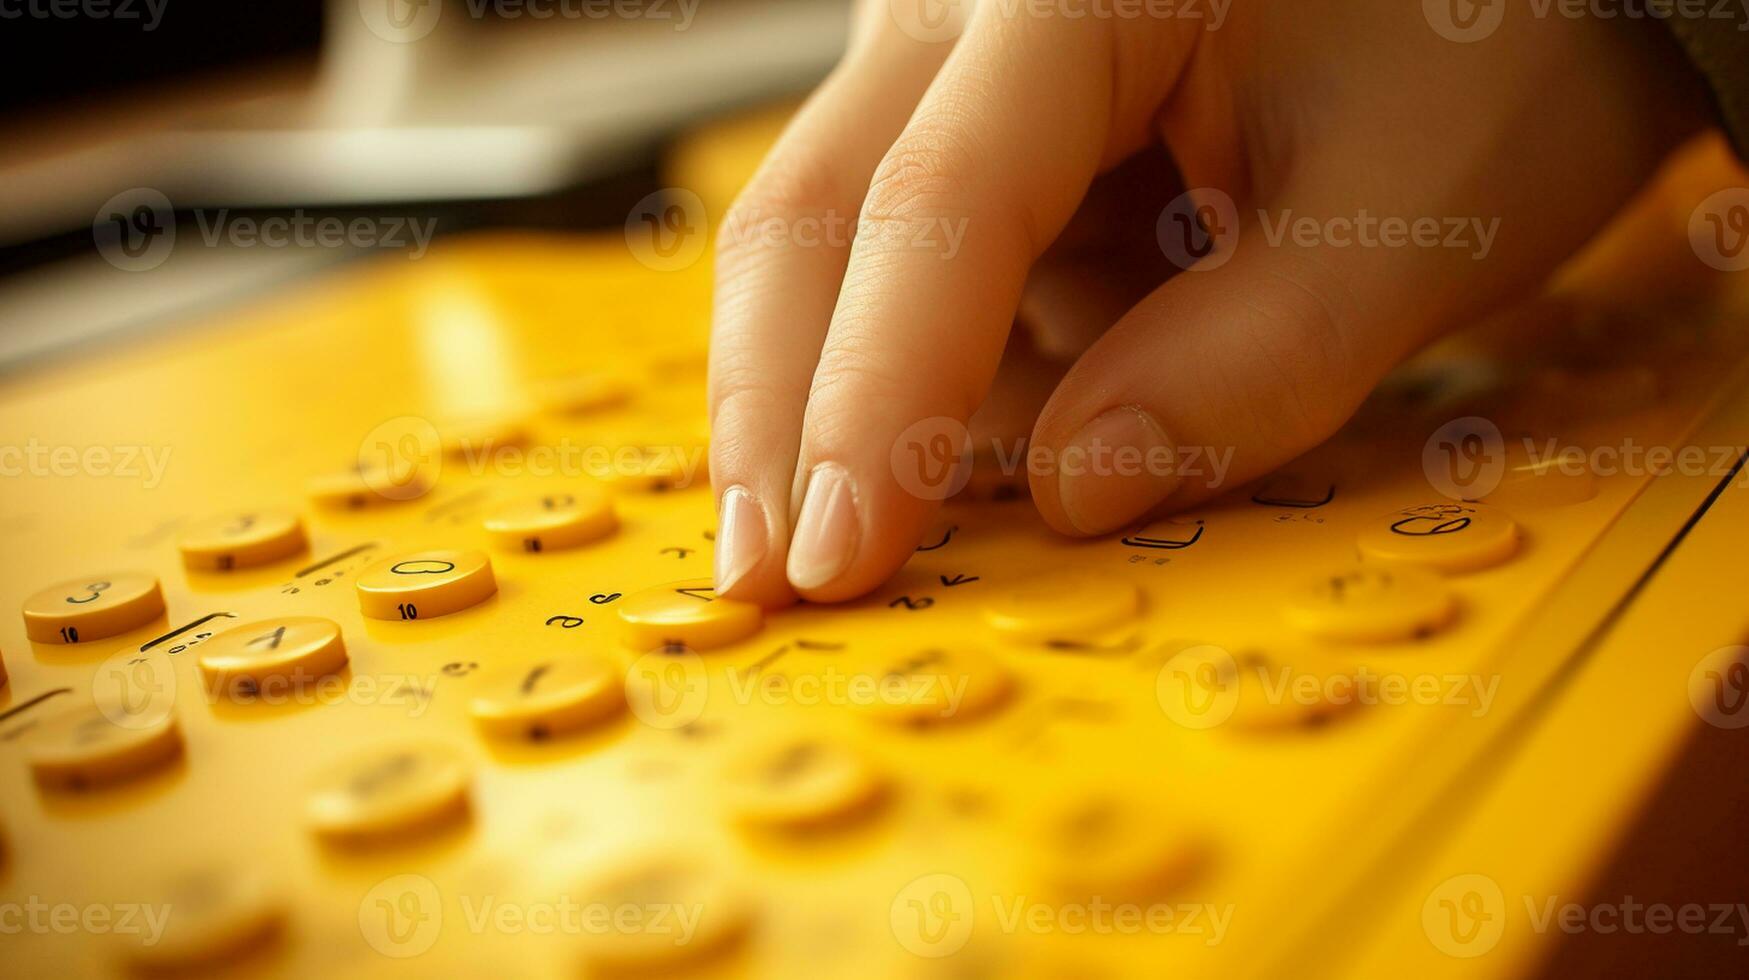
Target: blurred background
454 113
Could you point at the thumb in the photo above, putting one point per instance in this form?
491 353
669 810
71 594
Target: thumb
1256 354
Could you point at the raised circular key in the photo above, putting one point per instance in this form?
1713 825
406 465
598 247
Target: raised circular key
1547 479
937 686
1372 604
93 608
216 913
477 437
1446 537
553 521
654 469
425 584
670 909
389 789
357 489
242 540
686 613
1115 849
550 697
1061 606
272 653
1203 687
580 393
85 746
800 783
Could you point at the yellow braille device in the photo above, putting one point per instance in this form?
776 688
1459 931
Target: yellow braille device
408 661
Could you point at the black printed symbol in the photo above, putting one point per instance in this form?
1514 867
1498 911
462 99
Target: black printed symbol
946 536
677 552
1428 525
422 566
565 622
602 599
460 668
1165 544
534 676
922 602
957 579
702 592
96 590
272 639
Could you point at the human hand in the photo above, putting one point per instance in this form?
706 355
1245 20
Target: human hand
1017 166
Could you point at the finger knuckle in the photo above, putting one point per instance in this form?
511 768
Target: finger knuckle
785 190
924 174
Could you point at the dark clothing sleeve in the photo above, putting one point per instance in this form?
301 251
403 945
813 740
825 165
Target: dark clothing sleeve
1719 47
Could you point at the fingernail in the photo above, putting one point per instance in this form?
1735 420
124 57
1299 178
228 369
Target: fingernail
827 530
1117 467
741 536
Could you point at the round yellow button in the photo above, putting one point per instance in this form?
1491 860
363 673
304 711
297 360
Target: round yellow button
646 893
242 540
938 686
800 783
1372 604
549 698
1203 687
1447 537
688 614
390 789
581 393
357 489
87 747
425 584
474 438
93 608
1061 606
1116 849
272 654
1551 479
553 521
216 913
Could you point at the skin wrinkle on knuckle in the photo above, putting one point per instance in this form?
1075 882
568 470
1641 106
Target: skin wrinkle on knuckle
927 174
784 191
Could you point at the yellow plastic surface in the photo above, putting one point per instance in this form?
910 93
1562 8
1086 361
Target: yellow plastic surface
971 772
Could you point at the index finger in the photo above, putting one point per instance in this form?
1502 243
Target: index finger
988 170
